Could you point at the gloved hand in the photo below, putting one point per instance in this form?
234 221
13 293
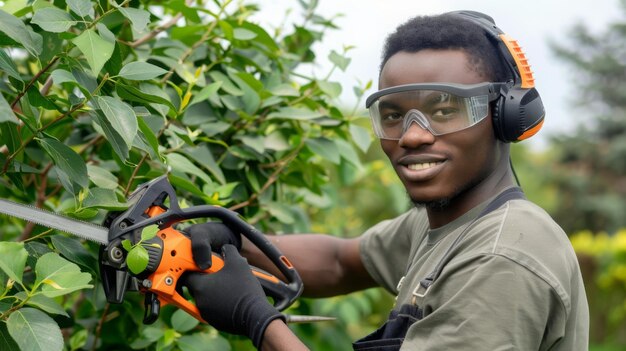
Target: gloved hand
207 237
232 299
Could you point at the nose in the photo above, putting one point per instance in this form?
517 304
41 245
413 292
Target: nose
415 135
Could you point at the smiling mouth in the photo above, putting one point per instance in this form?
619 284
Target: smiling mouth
420 166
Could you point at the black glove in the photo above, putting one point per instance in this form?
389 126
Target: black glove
232 299
207 237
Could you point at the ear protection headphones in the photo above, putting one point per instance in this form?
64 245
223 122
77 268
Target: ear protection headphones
518 114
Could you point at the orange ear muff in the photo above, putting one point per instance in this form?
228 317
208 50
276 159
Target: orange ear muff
519 113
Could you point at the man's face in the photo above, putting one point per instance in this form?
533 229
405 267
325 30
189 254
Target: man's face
434 170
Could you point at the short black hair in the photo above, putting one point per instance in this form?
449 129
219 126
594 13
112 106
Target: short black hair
445 32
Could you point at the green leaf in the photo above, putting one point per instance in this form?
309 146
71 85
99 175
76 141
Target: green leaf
59 276
191 13
16 30
101 177
121 117
149 136
340 61
53 45
36 249
227 29
6 341
34 330
79 339
60 76
13 259
262 38
325 148
182 164
281 212
137 259
54 20
147 336
226 84
243 34
203 342
127 245
43 303
284 90
106 34
6 112
256 142
298 113
86 83
115 139
141 71
8 66
332 89
183 322
361 137
83 8
103 198
69 163
127 92
4 282
149 232
138 17
203 156
347 152
205 93
97 51
73 250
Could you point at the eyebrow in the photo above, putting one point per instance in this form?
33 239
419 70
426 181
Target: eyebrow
427 100
388 104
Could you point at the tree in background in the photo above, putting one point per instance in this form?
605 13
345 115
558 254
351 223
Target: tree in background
588 183
99 96
591 162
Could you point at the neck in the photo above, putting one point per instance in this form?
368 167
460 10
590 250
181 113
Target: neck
496 182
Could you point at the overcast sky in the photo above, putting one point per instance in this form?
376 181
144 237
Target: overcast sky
366 23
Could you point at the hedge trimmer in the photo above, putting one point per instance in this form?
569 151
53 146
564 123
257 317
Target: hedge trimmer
142 251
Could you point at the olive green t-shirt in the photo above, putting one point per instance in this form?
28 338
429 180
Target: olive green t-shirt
513 282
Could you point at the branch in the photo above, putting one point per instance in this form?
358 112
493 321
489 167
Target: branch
7 162
159 29
99 326
281 165
190 51
33 80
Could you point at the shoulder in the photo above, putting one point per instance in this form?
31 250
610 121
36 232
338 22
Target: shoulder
524 234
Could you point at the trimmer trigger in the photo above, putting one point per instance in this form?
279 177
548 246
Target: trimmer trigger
152 308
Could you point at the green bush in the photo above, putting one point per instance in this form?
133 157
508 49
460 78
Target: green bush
603 263
98 97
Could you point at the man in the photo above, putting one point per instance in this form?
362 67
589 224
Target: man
474 265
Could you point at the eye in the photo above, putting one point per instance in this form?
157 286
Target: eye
445 112
392 116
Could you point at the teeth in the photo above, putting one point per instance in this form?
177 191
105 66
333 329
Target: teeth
418 166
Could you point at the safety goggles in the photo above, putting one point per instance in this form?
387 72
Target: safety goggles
440 108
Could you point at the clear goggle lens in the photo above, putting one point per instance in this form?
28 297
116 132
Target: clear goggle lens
438 111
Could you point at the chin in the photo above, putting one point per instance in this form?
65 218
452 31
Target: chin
434 205
436 198
429 199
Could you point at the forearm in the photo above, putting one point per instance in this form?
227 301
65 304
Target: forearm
328 265
278 337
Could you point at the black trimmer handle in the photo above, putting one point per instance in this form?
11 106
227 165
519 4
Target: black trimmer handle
283 293
156 191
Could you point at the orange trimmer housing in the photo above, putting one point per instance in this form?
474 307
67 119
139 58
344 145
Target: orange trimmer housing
170 253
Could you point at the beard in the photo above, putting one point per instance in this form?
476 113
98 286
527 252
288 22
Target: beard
438 205
442 204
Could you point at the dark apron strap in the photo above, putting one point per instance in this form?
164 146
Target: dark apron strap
390 336
509 194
